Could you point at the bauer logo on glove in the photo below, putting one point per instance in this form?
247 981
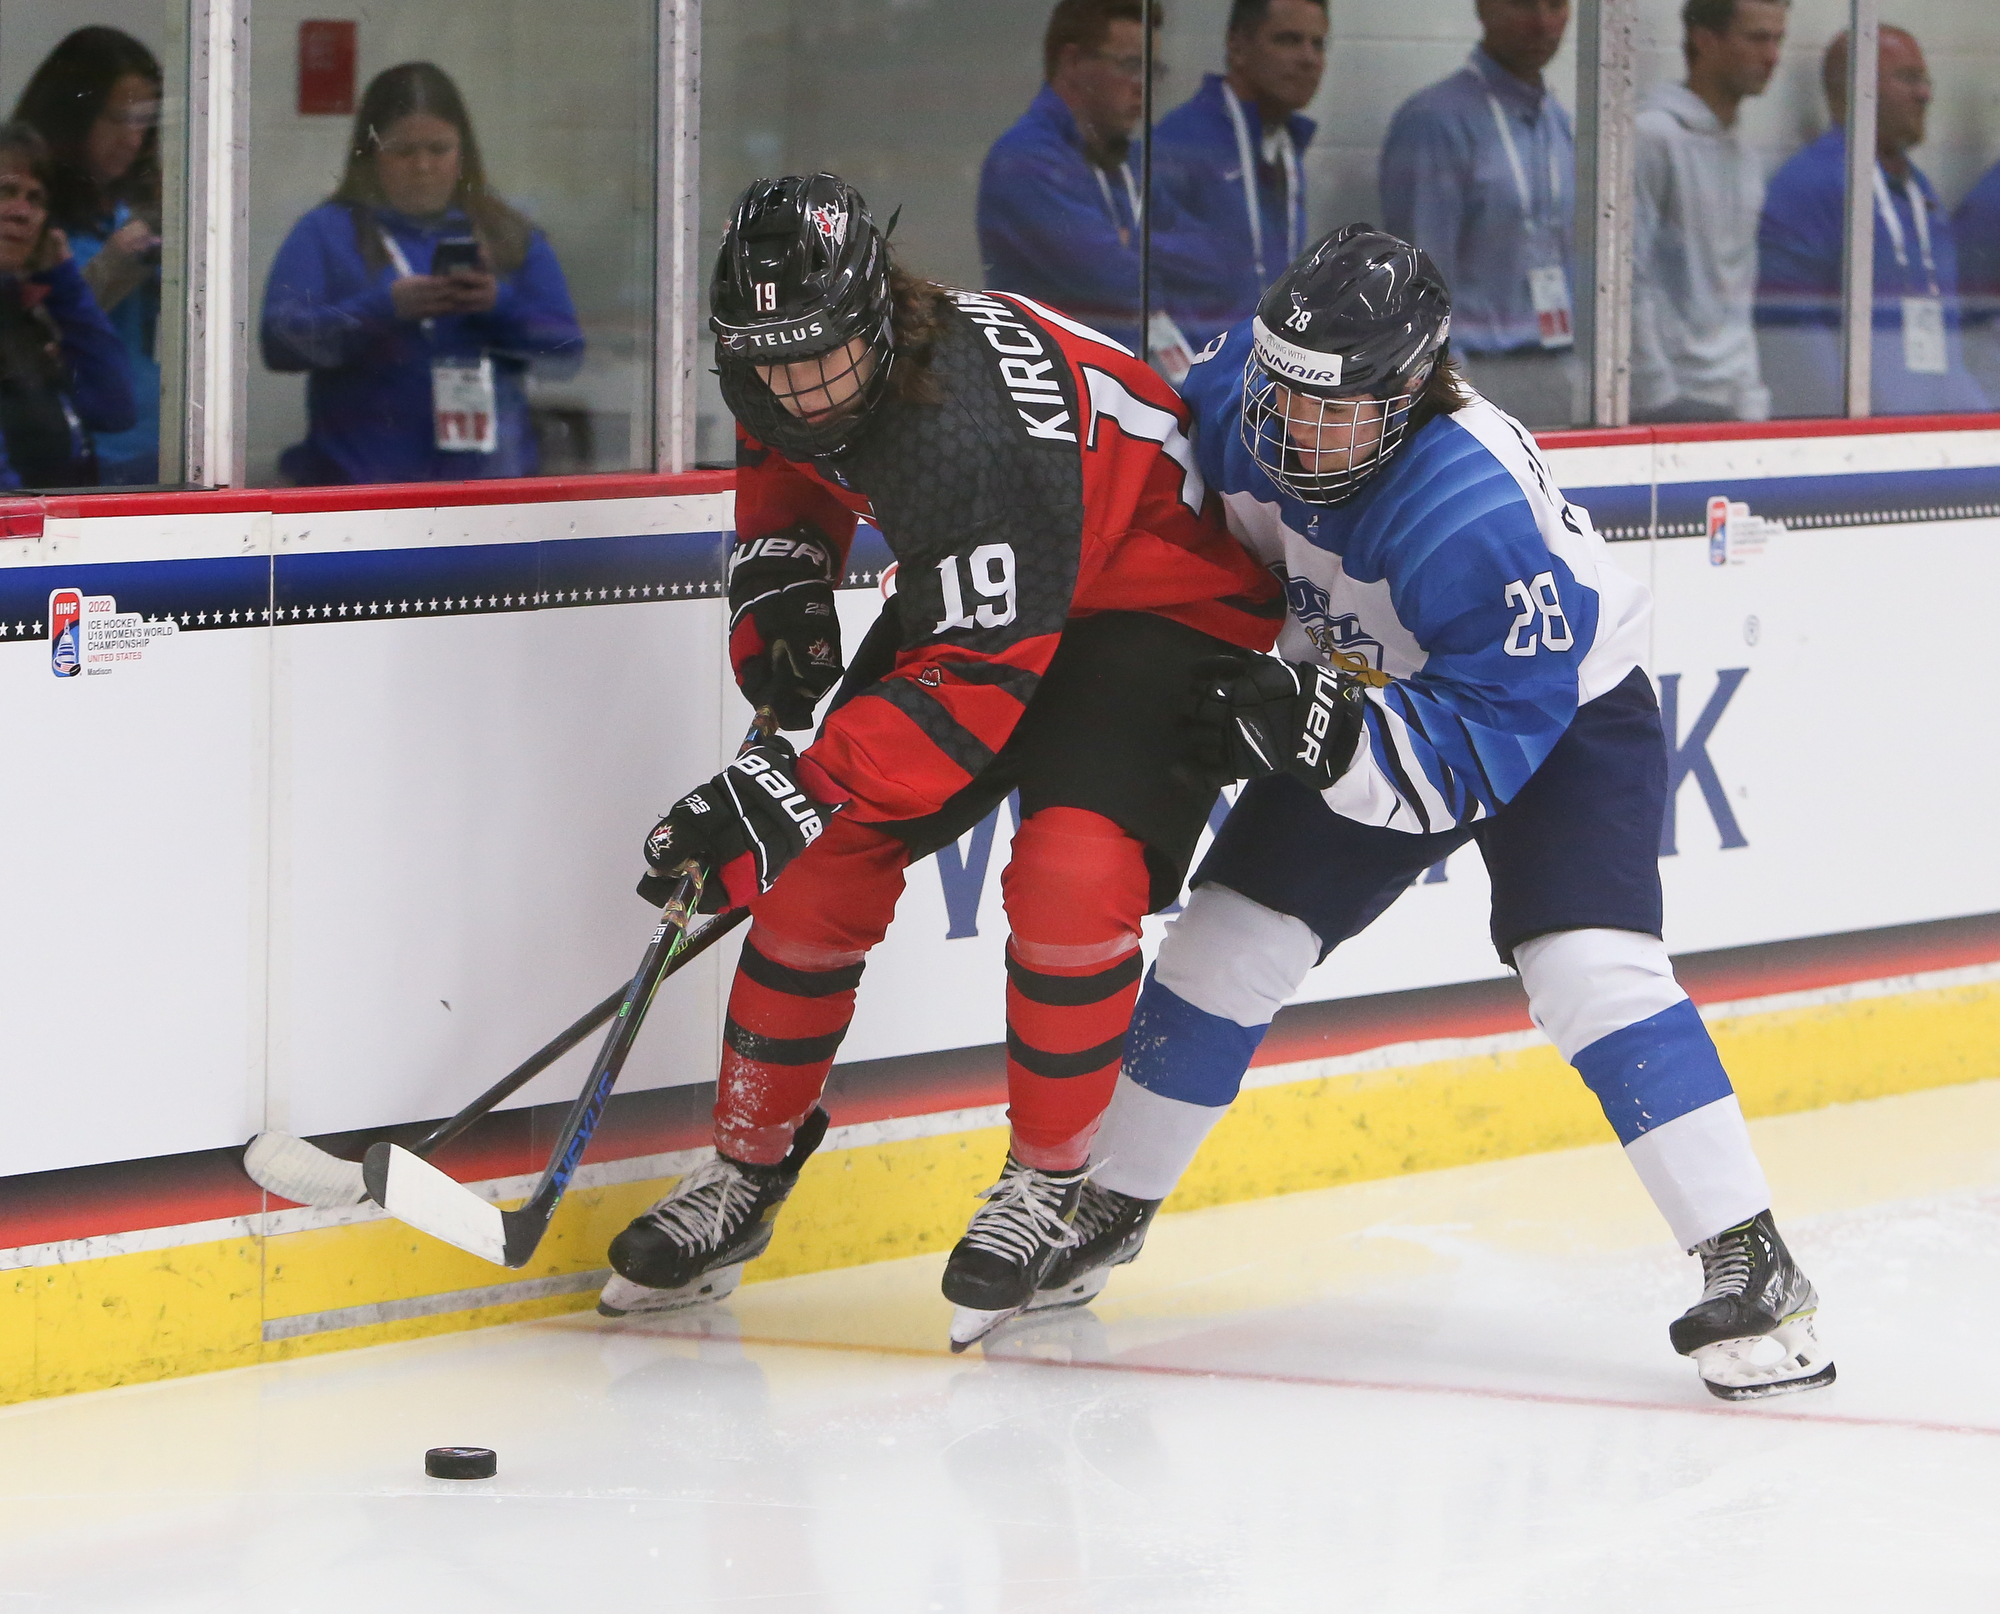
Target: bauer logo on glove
744 826
1254 715
784 635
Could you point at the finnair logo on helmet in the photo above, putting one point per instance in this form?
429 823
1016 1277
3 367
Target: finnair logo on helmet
830 219
1291 363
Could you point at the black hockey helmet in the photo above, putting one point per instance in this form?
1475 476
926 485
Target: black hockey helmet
802 272
1342 344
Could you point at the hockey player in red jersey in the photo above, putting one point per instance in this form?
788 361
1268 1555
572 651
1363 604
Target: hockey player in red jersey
1061 568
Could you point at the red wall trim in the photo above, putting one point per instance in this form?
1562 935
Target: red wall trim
24 517
1743 431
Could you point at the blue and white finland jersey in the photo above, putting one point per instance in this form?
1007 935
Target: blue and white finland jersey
1462 573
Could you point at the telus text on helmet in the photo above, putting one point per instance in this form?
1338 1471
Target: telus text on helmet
1028 382
800 333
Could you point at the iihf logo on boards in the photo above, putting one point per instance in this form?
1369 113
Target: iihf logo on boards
66 633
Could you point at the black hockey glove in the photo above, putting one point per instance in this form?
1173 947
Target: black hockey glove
784 637
1255 715
743 826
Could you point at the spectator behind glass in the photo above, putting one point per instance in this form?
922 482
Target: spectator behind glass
1480 171
1230 157
96 100
1919 367
62 370
1977 226
415 376
1699 188
1059 207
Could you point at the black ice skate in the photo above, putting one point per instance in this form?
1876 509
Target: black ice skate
691 1248
1110 1231
1752 1332
994 1270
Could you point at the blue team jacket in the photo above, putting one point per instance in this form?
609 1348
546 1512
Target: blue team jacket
1197 161
99 394
1798 292
131 455
1976 229
1460 579
368 394
1047 229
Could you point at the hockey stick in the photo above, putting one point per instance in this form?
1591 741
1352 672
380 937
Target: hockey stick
306 1174
412 1190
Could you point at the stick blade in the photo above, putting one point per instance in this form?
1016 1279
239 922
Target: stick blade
417 1193
303 1172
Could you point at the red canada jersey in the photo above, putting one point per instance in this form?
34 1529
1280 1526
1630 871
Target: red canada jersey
1049 477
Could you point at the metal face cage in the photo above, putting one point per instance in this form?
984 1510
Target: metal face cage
1321 450
812 406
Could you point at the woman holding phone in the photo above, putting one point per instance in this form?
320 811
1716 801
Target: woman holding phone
415 300
96 100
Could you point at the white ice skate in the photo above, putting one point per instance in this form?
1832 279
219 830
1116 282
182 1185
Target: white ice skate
1754 1332
621 1297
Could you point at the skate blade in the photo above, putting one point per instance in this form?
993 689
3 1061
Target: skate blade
969 1325
1788 1359
1078 1293
624 1298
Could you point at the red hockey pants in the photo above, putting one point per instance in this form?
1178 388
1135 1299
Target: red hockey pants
1075 890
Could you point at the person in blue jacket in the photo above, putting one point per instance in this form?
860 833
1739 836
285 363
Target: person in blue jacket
416 301
1976 225
96 100
62 368
1231 156
1461 664
1919 363
1059 202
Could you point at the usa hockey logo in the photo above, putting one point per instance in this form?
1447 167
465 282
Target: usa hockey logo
1338 637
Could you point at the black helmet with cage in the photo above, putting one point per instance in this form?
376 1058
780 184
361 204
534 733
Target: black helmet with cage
802 273
1342 346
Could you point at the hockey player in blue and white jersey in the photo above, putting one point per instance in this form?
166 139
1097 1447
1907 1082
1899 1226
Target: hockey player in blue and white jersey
1460 662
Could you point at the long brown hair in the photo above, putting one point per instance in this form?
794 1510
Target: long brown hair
1445 390
917 319
64 99
392 95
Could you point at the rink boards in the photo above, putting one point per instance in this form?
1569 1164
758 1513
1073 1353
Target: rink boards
360 832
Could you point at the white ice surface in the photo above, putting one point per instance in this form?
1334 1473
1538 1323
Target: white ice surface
1445 1393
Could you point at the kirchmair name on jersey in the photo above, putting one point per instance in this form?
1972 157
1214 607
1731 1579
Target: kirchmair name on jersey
1341 636
1027 367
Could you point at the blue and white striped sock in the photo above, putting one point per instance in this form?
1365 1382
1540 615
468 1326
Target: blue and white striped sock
1609 1001
1225 967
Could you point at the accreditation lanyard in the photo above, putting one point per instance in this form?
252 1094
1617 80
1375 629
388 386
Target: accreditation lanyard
1548 283
1923 317
465 405
1893 223
1520 171
1288 157
1111 207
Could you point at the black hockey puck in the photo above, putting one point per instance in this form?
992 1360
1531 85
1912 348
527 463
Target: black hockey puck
460 1462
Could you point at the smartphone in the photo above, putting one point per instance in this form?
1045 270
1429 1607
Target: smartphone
456 252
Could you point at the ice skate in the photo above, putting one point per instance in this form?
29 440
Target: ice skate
691 1248
1110 1231
994 1270
1752 1333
